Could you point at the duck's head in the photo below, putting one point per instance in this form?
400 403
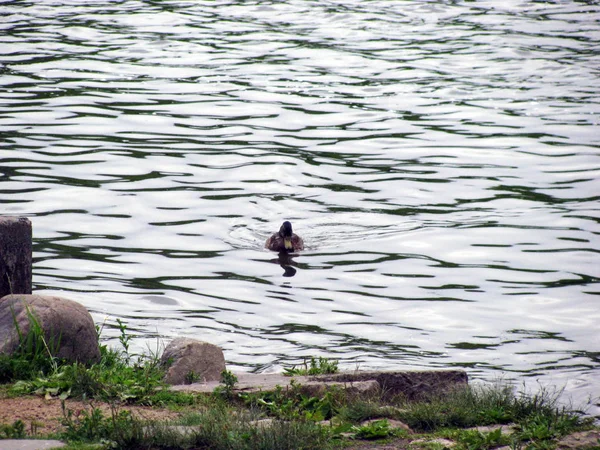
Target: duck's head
286 233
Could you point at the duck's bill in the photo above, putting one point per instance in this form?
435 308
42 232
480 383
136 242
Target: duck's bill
288 244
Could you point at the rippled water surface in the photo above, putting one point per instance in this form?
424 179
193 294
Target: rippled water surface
440 160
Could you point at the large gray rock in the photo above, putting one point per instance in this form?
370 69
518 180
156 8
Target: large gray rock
189 360
15 255
68 327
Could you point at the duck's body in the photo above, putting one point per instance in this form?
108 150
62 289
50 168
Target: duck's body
285 240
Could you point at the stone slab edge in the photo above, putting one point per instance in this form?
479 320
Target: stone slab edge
431 380
30 444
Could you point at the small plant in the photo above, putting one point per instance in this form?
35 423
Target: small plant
84 426
124 339
546 427
192 377
228 381
176 399
378 429
120 430
293 404
320 366
360 410
14 431
476 440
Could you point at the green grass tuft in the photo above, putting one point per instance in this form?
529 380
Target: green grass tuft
215 428
34 355
318 366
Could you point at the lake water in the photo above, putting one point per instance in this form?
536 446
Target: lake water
440 160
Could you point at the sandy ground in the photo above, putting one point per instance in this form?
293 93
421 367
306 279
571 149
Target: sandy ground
43 416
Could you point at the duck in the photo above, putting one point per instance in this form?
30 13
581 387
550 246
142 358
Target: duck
285 240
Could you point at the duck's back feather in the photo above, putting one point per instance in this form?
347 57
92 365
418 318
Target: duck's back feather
276 244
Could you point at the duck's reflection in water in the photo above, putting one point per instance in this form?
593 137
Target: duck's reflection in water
285 260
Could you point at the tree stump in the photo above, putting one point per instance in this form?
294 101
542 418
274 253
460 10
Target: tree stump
15 255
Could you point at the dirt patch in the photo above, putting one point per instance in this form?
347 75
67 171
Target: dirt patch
43 416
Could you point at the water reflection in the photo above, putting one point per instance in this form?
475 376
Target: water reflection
285 260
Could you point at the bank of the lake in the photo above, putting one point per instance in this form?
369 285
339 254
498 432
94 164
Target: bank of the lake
122 402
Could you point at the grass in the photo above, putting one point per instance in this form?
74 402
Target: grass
378 429
318 366
294 417
34 354
218 427
16 430
118 376
294 404
477 406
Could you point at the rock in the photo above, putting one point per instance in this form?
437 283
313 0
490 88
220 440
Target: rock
361 384
580 440
354 384
357 389
189 360
412 385
69 329
15 256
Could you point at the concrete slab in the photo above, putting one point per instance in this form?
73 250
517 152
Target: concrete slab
411 384
29 444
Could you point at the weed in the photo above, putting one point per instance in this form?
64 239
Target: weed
120 430
320 366
34 354
222 430
215 428
14 431
115 377
107 382
360 410
228 381
378 429
476 440
544 427
124 339
192 377
175 399
294 404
